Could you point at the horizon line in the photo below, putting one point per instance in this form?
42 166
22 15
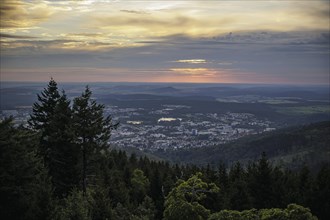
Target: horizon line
144 82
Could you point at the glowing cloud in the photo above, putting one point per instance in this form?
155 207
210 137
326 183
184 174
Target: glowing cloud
193 61
196 71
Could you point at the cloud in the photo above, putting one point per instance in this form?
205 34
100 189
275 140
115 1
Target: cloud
318 11
25 47
135 12
17 14
16 36
157 24
213 18
195 71
192 61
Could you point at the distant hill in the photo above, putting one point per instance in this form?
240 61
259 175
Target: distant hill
291 147
166 90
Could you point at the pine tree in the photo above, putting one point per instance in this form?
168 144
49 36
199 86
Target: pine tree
321 194
156 192
222 182
261 183
52 118
42 114
25 189
238 196
64 156
92 130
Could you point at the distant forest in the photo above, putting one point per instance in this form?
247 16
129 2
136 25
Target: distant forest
62 167
293 148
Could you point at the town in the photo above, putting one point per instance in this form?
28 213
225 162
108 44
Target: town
169 128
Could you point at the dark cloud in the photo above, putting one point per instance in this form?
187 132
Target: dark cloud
16 36
84 34
135 12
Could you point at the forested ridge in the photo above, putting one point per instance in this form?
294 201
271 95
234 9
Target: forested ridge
62 167
291 147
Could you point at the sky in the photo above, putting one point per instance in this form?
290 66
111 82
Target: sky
218 41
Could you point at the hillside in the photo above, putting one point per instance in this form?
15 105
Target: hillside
291 147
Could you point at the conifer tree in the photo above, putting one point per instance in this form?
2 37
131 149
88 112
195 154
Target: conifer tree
261 183
64 156
92 130
238 196
42 114
52 118
156 192
25 189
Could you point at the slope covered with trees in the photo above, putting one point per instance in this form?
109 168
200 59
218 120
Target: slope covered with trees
62 167
291 147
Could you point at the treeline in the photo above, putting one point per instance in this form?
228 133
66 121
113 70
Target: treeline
61 167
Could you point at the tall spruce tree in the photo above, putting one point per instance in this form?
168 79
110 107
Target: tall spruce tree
42 115
52 117
92 130
64 156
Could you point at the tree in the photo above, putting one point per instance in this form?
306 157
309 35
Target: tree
42 113
292 212
297 212
226 215
75 207
156 192
52 118
120 212
238 195
64 156
305 186
140 184
321 193
92 130
222 182
145 211
273 214
25 189
261 183
184 201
